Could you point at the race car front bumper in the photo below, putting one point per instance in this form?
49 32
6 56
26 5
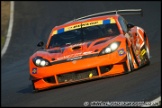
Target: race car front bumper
76 70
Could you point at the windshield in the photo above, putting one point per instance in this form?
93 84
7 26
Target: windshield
83 34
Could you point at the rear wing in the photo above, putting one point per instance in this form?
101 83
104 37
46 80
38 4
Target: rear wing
120 12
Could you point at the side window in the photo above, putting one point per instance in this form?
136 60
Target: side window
123 24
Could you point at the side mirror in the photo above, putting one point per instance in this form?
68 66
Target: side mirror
129 25
40 44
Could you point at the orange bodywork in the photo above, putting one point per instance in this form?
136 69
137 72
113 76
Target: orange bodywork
85 59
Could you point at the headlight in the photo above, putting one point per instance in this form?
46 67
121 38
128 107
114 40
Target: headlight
114 46
107 50
111 48
43 63
38 61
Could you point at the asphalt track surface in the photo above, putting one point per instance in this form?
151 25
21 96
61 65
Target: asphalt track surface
33 22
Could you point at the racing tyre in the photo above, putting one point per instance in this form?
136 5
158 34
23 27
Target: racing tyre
33 87
129 60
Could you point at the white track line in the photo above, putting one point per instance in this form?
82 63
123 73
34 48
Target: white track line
9 33
155 102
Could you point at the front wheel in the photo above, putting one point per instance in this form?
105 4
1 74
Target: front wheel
129 60
33 87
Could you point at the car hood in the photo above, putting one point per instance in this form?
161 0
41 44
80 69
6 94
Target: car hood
75 51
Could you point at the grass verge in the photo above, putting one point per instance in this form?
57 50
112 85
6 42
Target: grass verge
5 16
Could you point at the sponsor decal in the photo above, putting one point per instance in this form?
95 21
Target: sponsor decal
34 71
143 52
121 52
92 23
73 27
75 56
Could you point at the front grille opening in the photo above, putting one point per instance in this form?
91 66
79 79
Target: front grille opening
77 75
50 79
105 69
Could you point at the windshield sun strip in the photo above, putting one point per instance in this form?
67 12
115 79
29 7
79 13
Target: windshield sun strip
84 24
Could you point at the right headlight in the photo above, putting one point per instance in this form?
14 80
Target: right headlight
111 48
38 61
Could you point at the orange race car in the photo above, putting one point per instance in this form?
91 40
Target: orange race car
93 46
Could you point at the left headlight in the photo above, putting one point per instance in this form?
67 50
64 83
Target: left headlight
111 48
38 61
